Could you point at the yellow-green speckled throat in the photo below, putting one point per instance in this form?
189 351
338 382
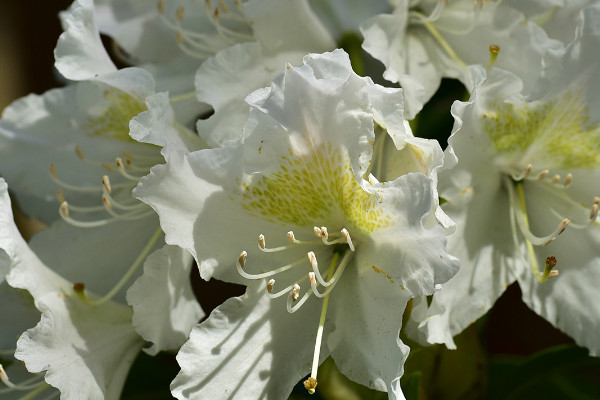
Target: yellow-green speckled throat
315 188
114 121
557 132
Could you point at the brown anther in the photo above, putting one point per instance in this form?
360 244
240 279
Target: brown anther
79 152
223 6
106 201
179 13
79 287
242 258
563 225
64 209
161 6
295 293
270 285
179 37
106 184
310 384
550 262
53 171
60 196
217 13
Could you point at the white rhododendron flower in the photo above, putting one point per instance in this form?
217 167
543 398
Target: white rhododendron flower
347 253
423 41
524 195
85 349
82 133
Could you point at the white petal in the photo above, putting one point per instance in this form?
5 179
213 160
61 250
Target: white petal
250 347
79 53
366 312
165 317
415 256
86 351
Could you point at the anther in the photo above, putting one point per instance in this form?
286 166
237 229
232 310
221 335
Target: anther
291 237
53 172
223 6
594 211
555 178
270 285
494 51
161 6
106 184
242 258
60 196
261 241
295 292
563 225
346 236
542 175
64 209
310 384
568 180
106 201
324 233
79 152
548 268
179 37
179 13
317 231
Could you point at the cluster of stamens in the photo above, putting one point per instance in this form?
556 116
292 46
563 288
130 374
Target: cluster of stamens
229 23
555 185
130 168
295 297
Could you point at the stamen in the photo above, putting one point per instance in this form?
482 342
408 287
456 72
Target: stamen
121 169
542 175
79 288
270 285
346 236
594 211
54 176
317 231
555 178
524 223
81 156
292 309
14 386
179 13
332 280
106 184
522 219
241 264
261 241
524 174
494 51
295 293
568 180
291 237
315 267
324 233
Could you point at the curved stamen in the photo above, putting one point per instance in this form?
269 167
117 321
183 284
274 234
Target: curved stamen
80 287
293 298
241 263
282 291
332 280
24 386
524 223
82 157
54 176
121 169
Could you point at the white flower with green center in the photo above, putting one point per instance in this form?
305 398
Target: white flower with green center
83 133
425 40
85 351
528 169
330 259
